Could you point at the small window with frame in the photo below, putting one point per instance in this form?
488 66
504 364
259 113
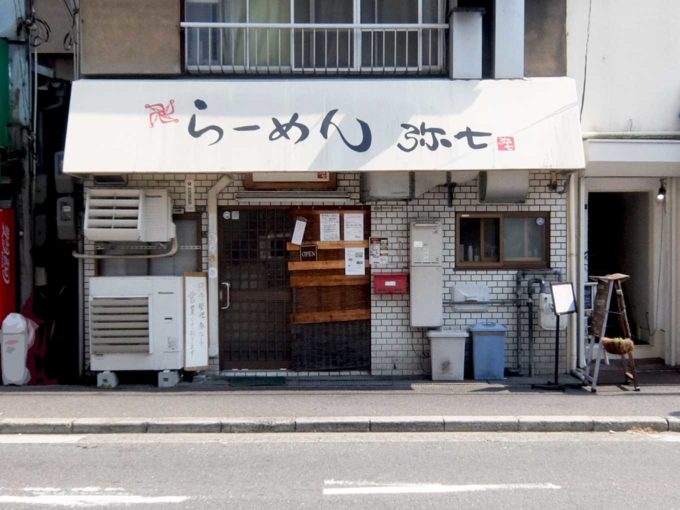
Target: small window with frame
503 240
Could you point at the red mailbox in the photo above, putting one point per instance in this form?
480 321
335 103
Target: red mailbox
390 283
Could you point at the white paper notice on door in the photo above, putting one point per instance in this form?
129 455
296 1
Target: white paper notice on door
355 264
354 227
329 226
299 232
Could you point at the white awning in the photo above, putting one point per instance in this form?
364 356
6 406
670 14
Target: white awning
124 126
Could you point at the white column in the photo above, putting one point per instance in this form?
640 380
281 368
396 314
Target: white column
509 39
465 44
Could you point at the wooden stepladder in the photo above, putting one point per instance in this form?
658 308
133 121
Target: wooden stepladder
606 285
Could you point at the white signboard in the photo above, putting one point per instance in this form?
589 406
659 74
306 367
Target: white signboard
195 321
564 299
354 226
329 226
125 126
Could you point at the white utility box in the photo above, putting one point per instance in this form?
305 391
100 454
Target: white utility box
136 323
470 297
447 351
546 314
427 278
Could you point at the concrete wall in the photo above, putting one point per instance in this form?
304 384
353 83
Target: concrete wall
632 73
545 39
130 37
397 349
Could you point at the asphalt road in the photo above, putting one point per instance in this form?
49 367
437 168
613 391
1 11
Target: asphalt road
622 470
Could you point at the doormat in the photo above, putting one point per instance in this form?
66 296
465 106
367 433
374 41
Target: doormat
247 382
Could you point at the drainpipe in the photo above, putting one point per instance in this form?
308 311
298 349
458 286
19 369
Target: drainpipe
573 273
213 267
672 336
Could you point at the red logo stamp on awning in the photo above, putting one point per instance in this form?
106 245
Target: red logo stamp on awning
506 143
161 113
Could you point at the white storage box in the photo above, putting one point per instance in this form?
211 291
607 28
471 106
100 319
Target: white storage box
447 351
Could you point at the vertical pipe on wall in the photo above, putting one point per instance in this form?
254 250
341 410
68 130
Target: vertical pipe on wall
213 267
671 337
81 311
574 338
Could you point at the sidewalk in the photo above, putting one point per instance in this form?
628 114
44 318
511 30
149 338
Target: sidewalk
341 405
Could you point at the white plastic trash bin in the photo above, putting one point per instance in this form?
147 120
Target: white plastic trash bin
447 351
17 336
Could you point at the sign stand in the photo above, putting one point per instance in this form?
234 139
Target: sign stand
564 303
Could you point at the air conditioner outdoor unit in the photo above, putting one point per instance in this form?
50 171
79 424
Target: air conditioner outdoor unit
128 215
136 323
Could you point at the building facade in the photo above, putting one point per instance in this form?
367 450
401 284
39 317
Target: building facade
618 54
364 120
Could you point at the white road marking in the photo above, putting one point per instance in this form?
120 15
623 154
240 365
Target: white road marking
40 438
432 488
84 500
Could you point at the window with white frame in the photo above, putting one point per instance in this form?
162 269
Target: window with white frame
362 36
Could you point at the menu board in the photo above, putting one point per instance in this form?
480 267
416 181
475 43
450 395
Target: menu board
195 321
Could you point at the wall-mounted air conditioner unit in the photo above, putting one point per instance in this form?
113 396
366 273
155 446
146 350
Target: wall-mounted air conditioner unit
136 323
128 215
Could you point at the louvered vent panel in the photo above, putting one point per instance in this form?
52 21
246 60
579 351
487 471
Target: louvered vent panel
113 214
119 325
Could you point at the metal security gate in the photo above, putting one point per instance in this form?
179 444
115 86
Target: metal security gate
254 288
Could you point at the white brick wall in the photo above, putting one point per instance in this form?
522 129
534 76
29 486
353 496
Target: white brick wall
398 349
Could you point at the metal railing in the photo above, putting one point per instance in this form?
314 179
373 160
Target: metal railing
319 49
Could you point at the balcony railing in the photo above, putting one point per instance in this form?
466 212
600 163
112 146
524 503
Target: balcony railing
317 49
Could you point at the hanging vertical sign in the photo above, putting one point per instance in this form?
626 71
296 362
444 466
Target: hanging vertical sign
189 196
195 321
7 264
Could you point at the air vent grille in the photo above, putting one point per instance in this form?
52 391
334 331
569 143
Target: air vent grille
119 325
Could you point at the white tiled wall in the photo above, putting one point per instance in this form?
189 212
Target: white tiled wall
398 349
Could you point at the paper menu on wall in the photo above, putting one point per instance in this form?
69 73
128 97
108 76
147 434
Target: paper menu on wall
354 227
355 263
378 248
329 227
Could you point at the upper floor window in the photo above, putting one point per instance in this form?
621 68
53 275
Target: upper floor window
315 36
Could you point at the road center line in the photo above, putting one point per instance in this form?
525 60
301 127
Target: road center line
82 500
430 488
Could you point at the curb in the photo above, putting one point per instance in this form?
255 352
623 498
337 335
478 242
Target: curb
341 424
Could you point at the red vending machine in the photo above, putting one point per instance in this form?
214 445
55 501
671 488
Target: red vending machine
7 264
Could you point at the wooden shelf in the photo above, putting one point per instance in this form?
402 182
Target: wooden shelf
319 264
333 316
330 245
298 282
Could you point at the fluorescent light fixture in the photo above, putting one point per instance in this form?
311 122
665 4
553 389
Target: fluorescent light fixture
293 196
